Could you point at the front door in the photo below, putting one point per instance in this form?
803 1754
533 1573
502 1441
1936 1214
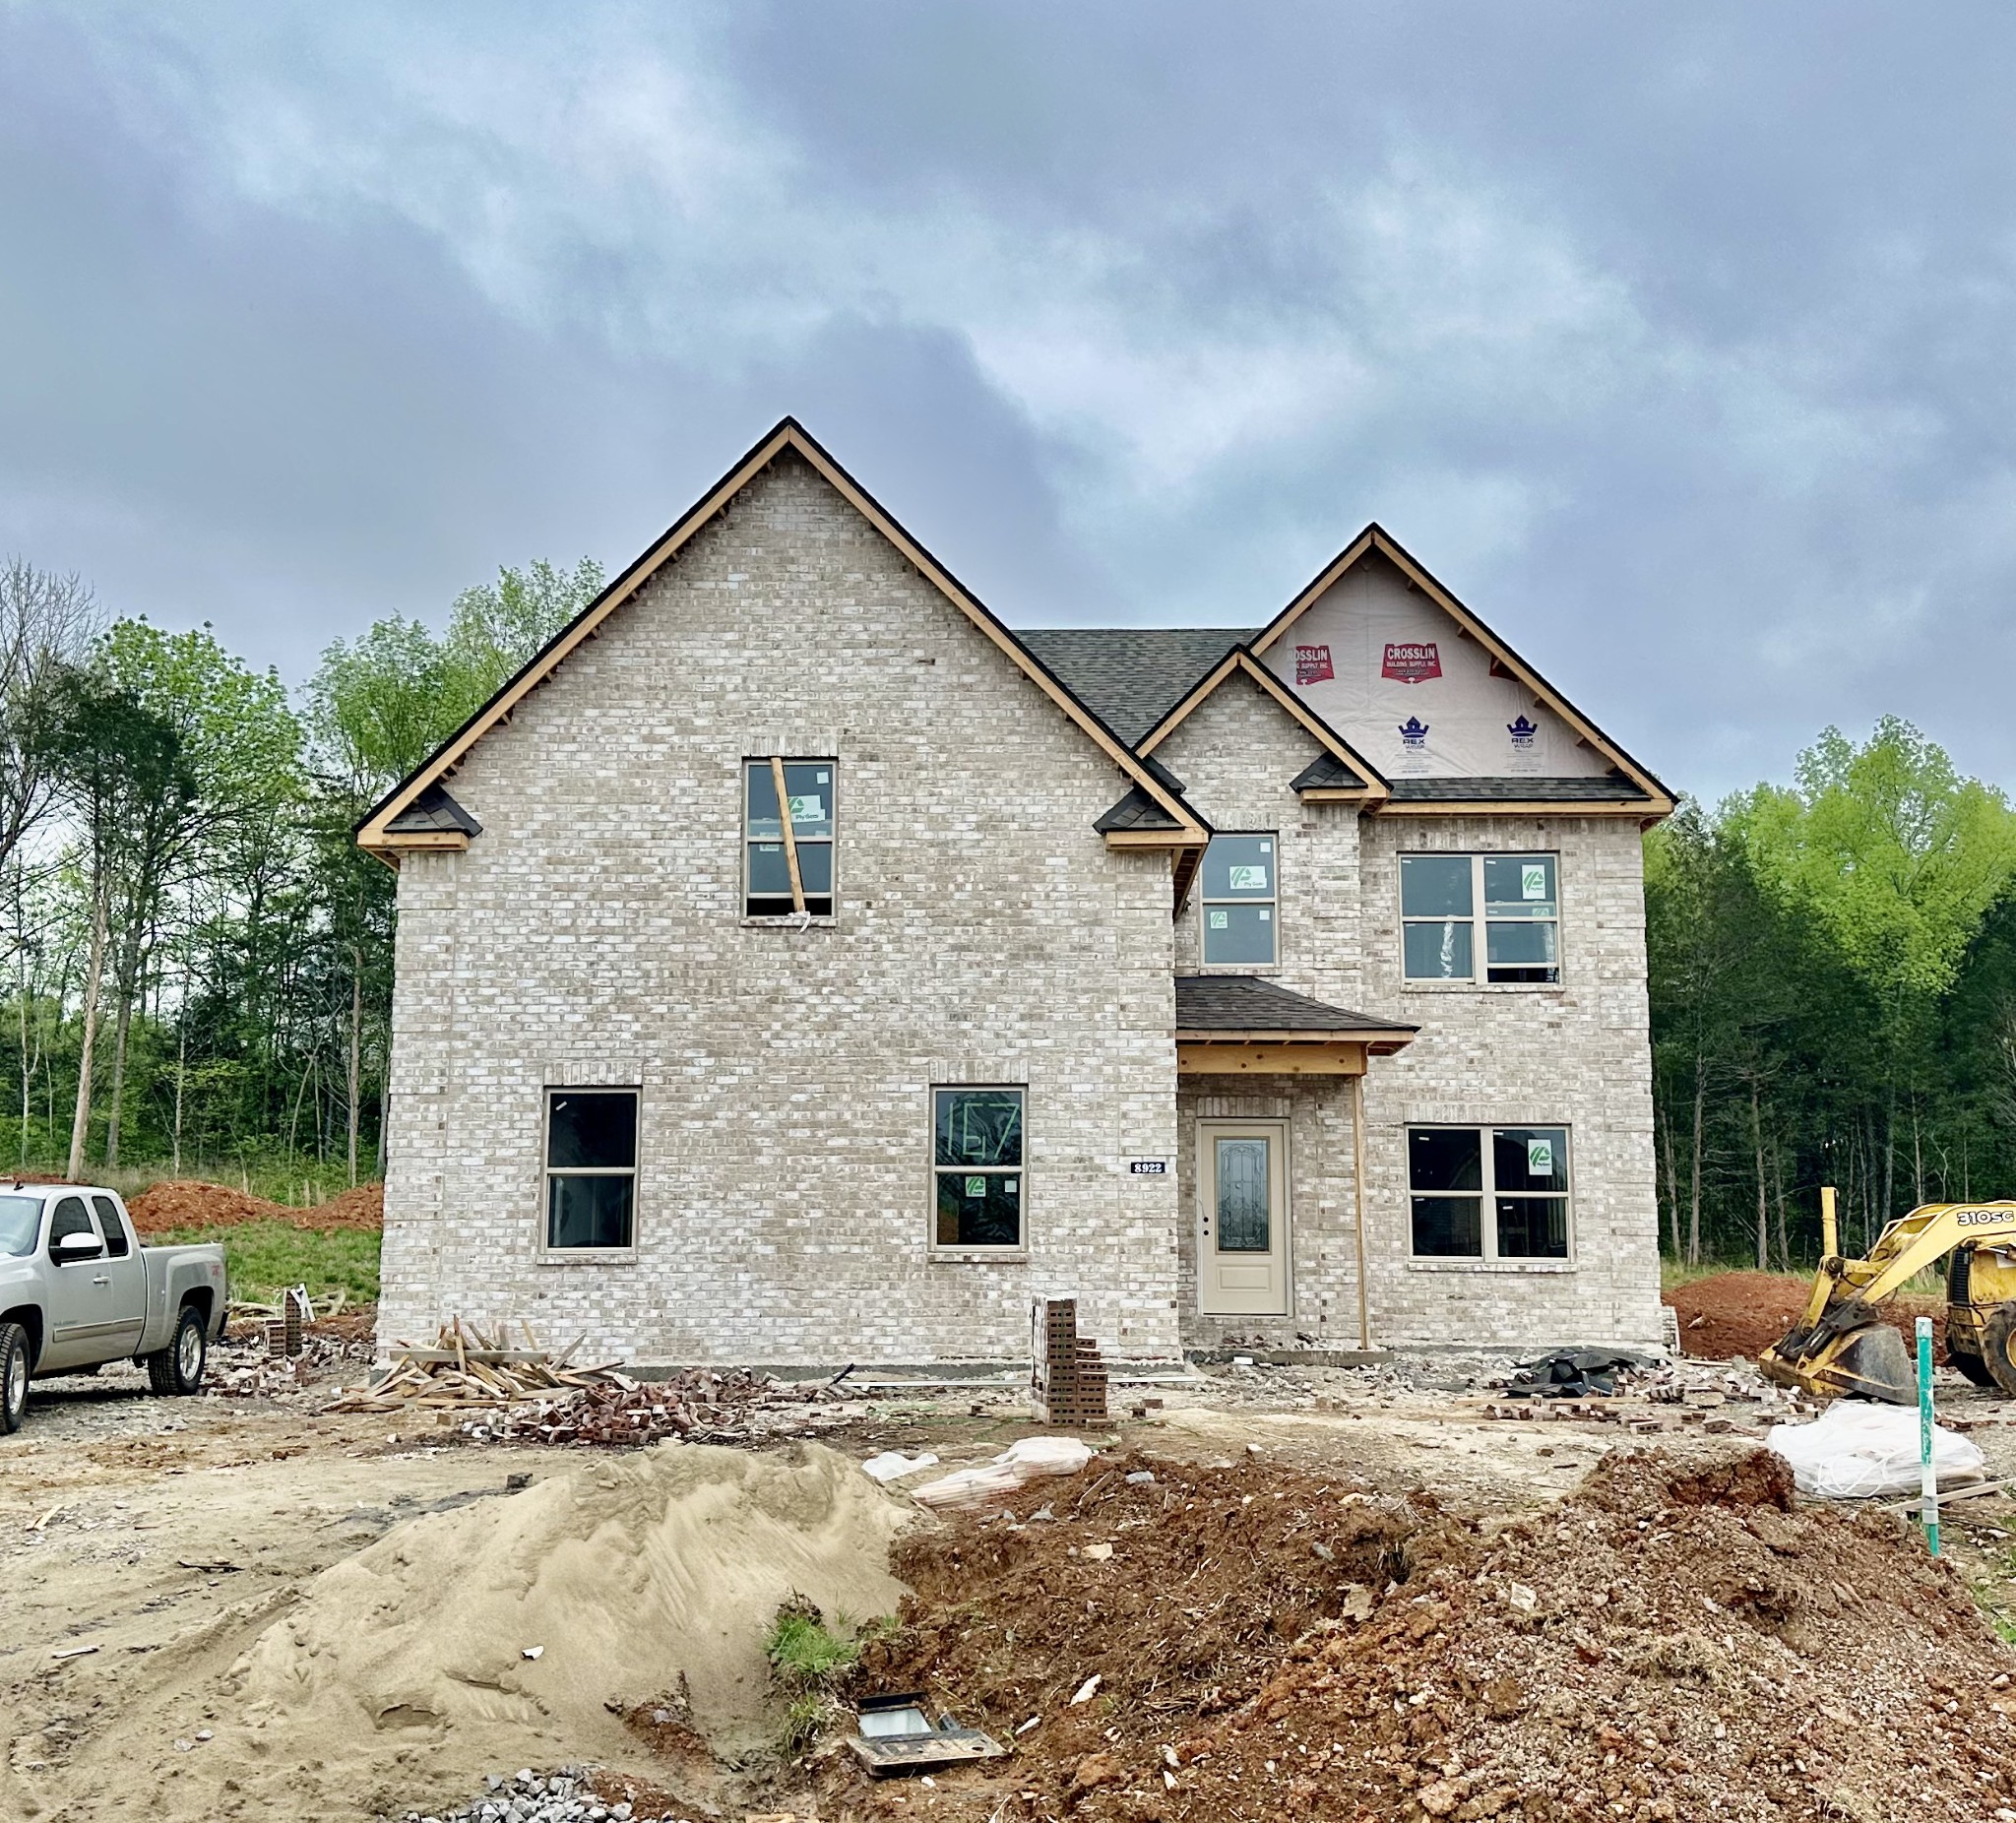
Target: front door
1242 1246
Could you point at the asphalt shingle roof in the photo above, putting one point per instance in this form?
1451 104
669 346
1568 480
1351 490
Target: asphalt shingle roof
1252 1003
1609 790
1130 677
434 809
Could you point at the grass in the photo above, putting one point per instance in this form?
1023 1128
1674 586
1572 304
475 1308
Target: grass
807 1660
264 1257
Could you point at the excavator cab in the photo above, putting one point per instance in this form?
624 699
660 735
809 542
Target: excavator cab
1844 1344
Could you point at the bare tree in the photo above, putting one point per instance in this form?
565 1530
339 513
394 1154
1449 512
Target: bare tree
46 625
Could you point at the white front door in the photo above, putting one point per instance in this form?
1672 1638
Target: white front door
1243 1194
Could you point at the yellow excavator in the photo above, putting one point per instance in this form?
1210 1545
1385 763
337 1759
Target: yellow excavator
1842 1344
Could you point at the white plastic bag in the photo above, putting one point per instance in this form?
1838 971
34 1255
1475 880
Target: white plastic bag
1854 1449
894 1465
1017 1464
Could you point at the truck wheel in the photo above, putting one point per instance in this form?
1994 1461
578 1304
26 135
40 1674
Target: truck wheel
178 1369
13 1377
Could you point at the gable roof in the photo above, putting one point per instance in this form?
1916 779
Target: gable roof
1356 775
374 831
1131 676
1658 801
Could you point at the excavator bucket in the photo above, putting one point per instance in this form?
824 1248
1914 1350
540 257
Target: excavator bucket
1844 1353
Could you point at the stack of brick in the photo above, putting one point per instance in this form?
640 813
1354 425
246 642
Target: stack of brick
1070 1381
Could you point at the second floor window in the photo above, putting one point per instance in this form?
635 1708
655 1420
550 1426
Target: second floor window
1480 918
1240 900
787 838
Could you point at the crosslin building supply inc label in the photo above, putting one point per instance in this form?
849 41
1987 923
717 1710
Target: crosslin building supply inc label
1411 660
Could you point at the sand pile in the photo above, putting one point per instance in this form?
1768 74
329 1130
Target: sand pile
1743 1313
400 1678
190 1203
1669 1643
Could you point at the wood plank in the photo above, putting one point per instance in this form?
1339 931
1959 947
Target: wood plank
791 836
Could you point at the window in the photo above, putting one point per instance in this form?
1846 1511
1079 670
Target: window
1519 1174
20 1217
977 1161
590 1168
1439 895
71 1217
788 859
115 1231
1240 901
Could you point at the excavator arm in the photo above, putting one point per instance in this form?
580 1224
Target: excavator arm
1842 1344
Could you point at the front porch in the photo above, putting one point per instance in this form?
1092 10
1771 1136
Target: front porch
1270 1164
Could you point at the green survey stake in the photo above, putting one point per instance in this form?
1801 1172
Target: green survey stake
1928 1480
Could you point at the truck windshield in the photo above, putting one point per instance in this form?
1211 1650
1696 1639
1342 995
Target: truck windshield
20 1218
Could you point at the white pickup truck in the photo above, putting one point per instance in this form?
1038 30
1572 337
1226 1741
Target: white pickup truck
77 1291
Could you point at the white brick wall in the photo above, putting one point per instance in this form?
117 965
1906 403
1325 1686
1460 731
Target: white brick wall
592 935
1576 1055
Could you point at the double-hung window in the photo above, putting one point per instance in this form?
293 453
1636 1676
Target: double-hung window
1444 897
1489 1193
788 853
1240 897
976 1150
591 1169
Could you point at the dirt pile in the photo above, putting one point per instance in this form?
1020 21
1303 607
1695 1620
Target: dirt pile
1745 1313
1669 1643
510 1631
188 1203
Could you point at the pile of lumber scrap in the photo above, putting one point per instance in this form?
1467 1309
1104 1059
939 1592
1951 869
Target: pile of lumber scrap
699 1404
467 1368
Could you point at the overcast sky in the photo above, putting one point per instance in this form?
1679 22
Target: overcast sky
1678 340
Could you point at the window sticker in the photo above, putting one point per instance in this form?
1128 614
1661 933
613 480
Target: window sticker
1532 881
1248 879
1265 915
819 777
1221 921
808 809
1539 1158
976 1187
1267 848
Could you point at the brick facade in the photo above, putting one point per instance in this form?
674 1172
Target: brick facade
591 934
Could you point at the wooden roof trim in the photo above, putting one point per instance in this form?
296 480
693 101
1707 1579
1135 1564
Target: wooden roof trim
1240 659
1376 537
788 434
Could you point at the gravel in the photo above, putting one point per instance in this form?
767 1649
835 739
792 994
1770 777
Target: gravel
561 1796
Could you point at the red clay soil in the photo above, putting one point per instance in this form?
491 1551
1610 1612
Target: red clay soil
1674 1642
1745 1313
187 1202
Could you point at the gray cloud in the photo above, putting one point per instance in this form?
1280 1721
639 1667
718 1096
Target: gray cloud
1676 342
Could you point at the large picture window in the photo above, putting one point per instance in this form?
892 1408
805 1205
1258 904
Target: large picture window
1240 899
1443 899
788 857
1489 1193
590 1168
976 1152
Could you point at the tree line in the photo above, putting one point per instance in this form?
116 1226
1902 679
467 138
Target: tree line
200 958
1833 981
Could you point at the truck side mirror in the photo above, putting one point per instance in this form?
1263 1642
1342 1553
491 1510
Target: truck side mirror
79 1247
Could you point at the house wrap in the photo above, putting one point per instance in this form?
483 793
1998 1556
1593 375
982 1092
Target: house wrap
795 964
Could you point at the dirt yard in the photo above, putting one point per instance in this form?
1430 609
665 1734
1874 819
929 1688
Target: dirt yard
1743 1313
1350 1594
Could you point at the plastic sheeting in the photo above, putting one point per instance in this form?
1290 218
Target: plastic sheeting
1852 1450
